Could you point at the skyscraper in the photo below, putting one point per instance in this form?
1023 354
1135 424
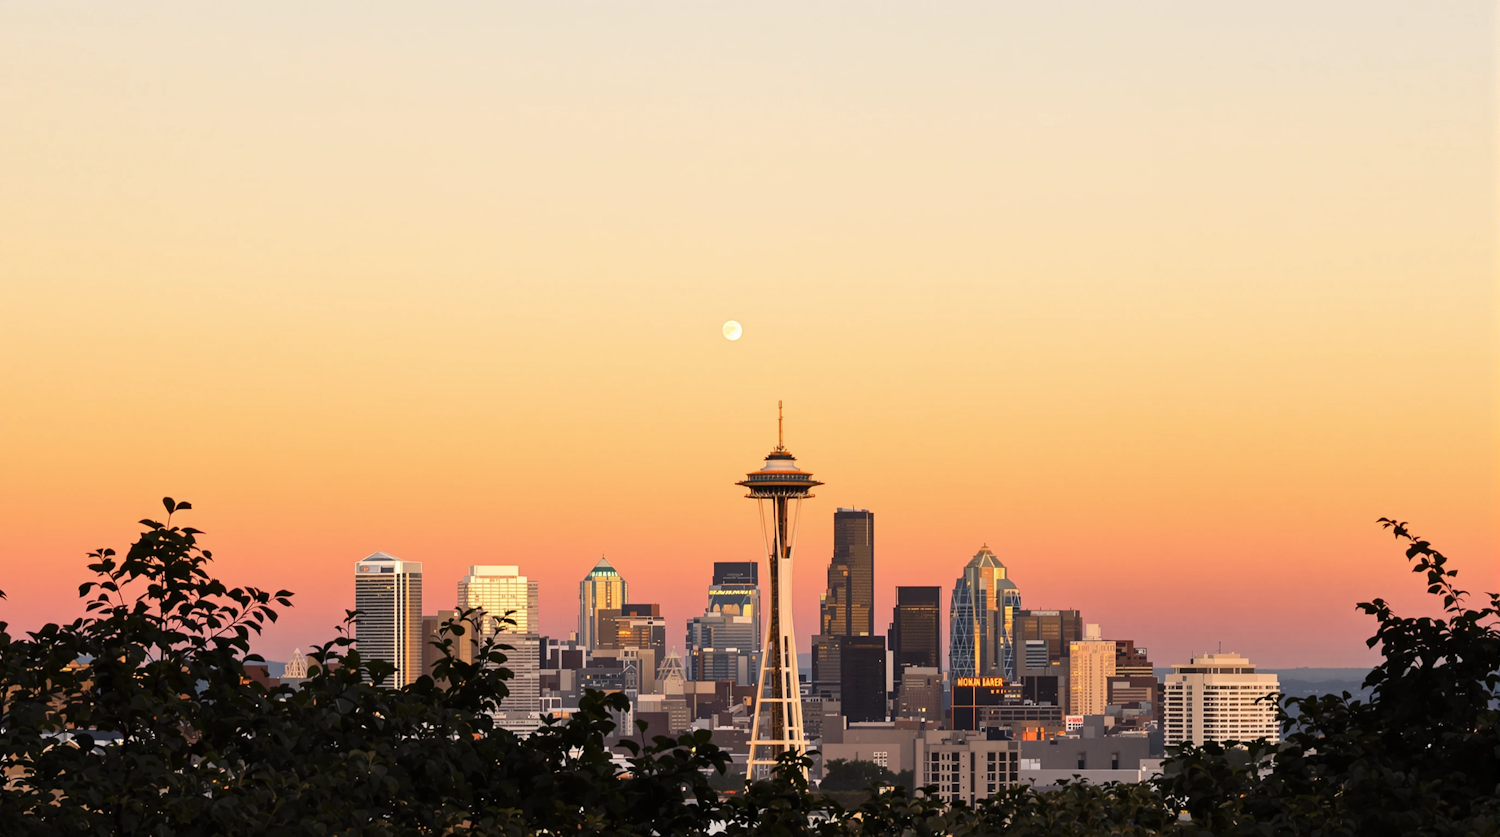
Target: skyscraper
642 626
503 593
982 620
914 633
602 589
736 592
1054 629
778 489
848 605
388 596
862 678
1091 663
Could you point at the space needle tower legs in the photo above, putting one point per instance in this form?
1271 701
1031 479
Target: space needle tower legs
778 489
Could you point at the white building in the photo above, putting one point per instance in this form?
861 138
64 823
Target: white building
503 593
965 765
1217 697
388 596
1091 662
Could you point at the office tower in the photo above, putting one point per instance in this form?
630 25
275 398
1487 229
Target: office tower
848 605
862 684
1054 628
736 592
1091 662
1131 661
602 589
388 596
982 620
721 646
914 630
921 693
778 489
1218 697
641 626
503 593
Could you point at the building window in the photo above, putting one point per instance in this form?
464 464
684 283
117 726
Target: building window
881 757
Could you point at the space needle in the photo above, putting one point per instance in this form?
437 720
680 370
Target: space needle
778 489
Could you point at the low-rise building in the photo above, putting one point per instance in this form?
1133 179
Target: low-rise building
891 744
965 765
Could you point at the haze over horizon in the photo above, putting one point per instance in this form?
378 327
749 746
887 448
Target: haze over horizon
1166 304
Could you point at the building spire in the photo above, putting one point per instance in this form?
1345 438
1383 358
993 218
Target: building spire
780 443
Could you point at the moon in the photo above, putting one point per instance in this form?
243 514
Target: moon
732 330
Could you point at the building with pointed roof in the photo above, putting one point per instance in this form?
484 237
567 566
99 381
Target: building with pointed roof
982 613
602 589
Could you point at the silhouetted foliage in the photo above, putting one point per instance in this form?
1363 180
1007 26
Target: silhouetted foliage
854 775
138 719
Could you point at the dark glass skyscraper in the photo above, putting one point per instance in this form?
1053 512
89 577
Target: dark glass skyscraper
914 633
848 607
862 678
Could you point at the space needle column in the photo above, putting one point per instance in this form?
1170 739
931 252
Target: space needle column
778 489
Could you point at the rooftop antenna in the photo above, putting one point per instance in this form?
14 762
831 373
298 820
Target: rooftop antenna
779 442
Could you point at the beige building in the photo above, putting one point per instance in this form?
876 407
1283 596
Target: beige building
1091 662
1218 697
503 593
967 766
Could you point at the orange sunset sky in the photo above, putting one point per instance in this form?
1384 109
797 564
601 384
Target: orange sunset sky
1167 302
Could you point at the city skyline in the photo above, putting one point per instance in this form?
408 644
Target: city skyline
1166 308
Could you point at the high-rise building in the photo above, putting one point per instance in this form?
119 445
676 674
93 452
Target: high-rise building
862 683
602 589
914 636
1219 697
507 596
1091 663
848 605
982 620
721 647
642 626
778 489
736 592
388 596
1054 628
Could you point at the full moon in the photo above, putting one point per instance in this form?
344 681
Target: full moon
732 330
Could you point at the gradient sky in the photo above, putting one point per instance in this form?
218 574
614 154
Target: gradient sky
1167 302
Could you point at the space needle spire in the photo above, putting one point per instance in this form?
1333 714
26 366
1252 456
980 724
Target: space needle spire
778 489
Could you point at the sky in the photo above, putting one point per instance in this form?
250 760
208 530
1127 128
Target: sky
1166 302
